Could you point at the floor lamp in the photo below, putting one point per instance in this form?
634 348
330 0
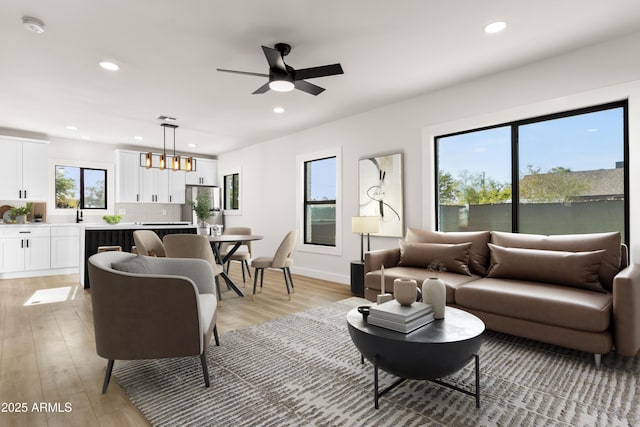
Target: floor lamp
365 225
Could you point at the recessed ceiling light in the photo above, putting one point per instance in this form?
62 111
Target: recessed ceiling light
109 65
192 145
495 27
278 110
86 138
33 24
70 127
139 138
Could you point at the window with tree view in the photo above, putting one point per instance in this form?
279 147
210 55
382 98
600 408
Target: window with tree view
80 188
558 174
320 202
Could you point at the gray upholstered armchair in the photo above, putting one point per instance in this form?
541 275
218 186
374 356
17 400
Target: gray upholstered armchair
150 308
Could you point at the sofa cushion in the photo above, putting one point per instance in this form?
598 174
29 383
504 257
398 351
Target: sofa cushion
577 269
453 257
563 306
609 242
451 280
137 265
478 255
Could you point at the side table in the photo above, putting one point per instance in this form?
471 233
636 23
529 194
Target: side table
357 278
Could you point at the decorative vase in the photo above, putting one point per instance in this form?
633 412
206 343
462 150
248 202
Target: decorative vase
204 228
434 292
405 291
21 219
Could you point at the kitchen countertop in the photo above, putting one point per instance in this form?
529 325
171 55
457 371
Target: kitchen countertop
102 226
137 225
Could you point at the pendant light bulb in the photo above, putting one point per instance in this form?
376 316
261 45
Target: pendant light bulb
148 160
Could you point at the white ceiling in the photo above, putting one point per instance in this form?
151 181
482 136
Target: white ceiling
168 52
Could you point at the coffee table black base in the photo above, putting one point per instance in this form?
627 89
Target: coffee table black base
378 394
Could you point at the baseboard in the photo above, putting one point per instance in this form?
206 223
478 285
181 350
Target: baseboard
323 275
38 273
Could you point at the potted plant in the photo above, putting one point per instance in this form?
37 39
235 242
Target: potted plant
202 209
19 213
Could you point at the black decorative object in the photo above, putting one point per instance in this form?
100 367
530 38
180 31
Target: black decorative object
364 310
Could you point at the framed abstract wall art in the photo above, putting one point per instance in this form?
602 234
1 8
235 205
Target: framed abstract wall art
381 192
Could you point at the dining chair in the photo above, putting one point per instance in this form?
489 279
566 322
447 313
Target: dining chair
151 308
281 259
148 243
193 246
242 254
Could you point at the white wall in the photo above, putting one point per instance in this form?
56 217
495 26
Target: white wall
590 76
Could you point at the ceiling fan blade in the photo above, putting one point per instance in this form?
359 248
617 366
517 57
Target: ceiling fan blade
243 72
261 89
274 58
322 71
308 87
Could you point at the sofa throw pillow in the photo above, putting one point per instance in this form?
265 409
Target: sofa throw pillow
454 257
479 254
610 242
137 265
575 269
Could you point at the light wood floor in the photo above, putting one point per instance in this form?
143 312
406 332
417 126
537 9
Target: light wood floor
47 350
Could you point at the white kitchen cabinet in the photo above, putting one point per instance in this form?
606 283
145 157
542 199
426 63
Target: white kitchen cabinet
65 247
177 185
127 176
136 183
206 173
24 172
26 249
154 184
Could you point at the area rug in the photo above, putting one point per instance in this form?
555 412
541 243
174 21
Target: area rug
303 370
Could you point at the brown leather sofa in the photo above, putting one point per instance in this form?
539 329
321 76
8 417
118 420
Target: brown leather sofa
575 291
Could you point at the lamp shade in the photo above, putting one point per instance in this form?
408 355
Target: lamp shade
365 224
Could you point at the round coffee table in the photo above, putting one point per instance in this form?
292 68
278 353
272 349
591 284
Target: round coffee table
431 352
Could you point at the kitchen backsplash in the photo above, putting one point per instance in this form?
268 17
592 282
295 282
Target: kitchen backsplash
130 212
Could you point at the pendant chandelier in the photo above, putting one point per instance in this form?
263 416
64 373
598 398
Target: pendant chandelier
176 160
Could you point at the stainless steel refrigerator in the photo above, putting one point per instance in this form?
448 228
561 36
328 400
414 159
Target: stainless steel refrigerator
214 195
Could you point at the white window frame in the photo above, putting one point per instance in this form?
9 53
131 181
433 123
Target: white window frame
300 166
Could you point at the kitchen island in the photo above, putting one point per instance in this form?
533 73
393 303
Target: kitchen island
96 235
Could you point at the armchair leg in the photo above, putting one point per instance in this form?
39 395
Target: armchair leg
205 370
242 268
261 278
215 335
107 376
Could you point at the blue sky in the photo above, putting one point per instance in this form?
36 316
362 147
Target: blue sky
585 142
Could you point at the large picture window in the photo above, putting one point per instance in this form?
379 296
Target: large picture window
80 188
557 174
320 201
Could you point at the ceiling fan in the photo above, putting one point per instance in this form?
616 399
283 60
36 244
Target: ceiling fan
283 78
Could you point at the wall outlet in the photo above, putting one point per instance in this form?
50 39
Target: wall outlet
164 211
122 211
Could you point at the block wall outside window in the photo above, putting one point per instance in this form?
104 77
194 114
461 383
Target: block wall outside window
558 174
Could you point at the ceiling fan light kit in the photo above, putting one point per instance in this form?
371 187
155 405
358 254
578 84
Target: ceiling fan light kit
284 78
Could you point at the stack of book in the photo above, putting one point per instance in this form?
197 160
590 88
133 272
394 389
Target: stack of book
400 318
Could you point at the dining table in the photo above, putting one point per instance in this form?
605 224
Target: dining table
237 240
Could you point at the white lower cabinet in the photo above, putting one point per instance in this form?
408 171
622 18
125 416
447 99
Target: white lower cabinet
25 249
65 247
